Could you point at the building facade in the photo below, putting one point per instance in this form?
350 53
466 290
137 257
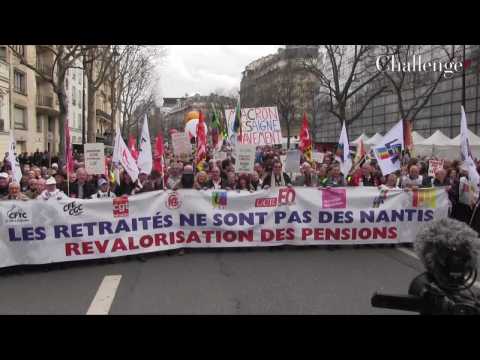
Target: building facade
281 80
441 112
178 108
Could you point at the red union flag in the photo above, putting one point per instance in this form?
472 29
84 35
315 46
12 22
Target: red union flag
68 149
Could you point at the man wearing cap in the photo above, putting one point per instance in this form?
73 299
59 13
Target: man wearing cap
3 184
104 190
14 192
51 192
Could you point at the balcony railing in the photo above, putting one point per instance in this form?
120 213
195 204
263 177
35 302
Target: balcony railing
44 68
43 100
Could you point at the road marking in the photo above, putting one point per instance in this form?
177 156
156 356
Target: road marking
103 299
412 254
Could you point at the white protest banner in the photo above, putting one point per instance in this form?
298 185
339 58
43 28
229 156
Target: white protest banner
181 145
38 232
318 157
245 158
292 162
433 166
389 150
94 154
260 126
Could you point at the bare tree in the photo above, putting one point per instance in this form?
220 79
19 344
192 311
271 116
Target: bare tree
421 84
138 84
96 62
64 58
125 58
343 72
285 93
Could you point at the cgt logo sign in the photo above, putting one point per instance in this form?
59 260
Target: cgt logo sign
120 207
17 215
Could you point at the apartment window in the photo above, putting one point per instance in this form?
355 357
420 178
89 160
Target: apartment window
20 82
3 53
20 117
79 121
39 124
50 124
80 98
74 95
19 49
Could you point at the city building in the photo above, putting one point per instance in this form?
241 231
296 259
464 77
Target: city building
441 112
74 86
280 80
175 117
4 100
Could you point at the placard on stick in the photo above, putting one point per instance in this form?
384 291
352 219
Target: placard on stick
245 158
94 154
292 162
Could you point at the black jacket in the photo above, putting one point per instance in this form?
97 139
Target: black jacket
209 184
268 180
88 190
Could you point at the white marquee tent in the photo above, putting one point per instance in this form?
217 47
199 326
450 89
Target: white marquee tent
374 140
363 137
417 138
443 147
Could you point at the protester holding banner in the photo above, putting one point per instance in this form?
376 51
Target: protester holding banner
336 178
187 177
201 181
277 178
14 192
51 192
308 177
81 188
413 180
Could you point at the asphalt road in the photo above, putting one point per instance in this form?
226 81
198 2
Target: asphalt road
288 280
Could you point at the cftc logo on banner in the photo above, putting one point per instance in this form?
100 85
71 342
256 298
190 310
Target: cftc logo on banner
219 199
426 198
16 215
120 207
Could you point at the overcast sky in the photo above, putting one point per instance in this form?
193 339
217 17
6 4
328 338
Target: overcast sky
205 68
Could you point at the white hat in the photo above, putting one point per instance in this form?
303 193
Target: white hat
3 175
51 181
55 165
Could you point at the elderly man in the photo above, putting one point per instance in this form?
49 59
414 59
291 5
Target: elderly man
440 179
277 178
82 189
51 192
175 173
216 182
413 180
32 186
308 177
14 192
4 178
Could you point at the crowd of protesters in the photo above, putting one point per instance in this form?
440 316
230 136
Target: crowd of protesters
44 179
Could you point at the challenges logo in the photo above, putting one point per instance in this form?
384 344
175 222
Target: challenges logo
173 201
219 199
120 207
73 208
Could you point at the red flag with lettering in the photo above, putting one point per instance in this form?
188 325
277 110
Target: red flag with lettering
158 154
305 139
68 149
201 140
132 145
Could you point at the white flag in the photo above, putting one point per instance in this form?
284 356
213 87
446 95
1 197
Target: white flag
122 155
466 153
144 161
389 151
12 159
344 156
